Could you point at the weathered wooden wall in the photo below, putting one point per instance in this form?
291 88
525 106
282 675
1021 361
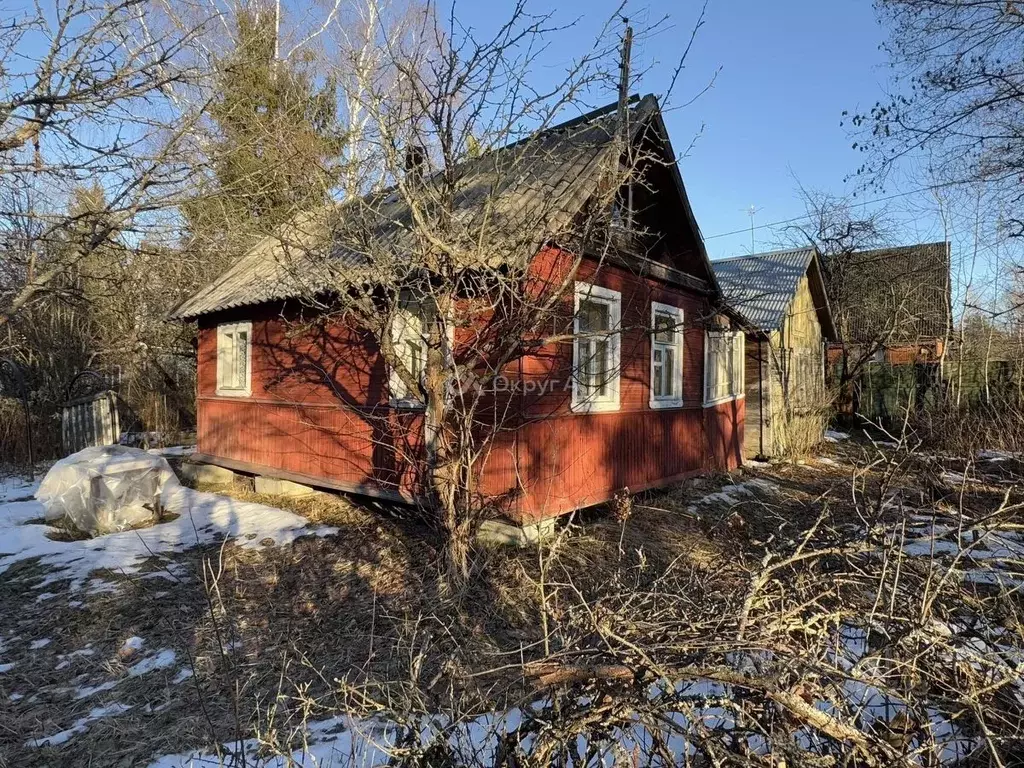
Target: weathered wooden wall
785 402
799 383
758 371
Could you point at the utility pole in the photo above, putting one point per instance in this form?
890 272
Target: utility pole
623 113
627 52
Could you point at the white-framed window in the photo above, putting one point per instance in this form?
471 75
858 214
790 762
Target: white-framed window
411 348
596 354
234 359
666 356
724 353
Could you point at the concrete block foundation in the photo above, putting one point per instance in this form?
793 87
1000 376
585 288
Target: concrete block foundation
506 533
207 474
275 487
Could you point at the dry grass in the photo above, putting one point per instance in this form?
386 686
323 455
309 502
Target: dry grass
366 607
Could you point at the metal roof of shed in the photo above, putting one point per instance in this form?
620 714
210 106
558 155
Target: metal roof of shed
761 286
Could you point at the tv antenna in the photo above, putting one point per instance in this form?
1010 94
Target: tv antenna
751 211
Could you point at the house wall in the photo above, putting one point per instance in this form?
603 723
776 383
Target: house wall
318 409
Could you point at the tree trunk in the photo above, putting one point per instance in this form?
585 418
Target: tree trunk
443 457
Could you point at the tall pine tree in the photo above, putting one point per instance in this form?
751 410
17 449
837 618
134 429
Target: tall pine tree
276 148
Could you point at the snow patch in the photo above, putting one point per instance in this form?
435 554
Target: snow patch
832 436
81 725
35 645
990 454
204 518
17 488
66 659
735 494
132 645
173 450
163 659
85 692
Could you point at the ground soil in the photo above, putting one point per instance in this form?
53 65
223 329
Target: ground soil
367 605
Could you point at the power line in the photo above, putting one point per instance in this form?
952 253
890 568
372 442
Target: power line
811 215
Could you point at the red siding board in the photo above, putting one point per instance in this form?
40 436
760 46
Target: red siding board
318 408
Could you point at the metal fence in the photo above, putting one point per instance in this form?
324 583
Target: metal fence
90 420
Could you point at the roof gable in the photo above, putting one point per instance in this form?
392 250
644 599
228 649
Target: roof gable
526 192
761 287
900 294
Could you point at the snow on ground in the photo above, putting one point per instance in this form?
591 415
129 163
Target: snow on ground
734 494
85 691
161 660
203 518
346 741
995 455
832 436
983 556
16 488
66 659
80 726
132 645
173 450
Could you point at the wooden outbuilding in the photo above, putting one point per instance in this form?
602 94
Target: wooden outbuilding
782 297
893 309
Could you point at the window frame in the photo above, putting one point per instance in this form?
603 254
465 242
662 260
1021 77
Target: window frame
738 355
223 329
410 315
676 313
613 299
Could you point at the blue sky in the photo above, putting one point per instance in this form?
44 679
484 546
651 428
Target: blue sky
786 70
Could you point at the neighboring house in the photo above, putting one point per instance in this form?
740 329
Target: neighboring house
893 312
781 296
323 410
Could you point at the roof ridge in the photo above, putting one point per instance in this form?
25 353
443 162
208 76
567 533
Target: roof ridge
586 117
942 243
765 253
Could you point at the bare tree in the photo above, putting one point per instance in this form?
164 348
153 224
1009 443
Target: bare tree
959 85
86 92
841 236
458 257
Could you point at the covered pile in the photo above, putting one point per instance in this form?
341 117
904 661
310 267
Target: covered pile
106 489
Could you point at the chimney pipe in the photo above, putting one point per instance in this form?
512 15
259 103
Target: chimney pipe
415 162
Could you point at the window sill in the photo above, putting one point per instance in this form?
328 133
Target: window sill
719 401
233 392
592 406
660 405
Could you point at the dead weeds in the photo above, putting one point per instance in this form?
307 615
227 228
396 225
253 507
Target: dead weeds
365 606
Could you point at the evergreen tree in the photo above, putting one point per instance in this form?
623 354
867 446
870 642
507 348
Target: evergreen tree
276 147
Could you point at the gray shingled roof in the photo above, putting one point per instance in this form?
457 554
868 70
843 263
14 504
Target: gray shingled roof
761 286
530 192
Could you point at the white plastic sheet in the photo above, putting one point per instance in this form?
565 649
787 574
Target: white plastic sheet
107 488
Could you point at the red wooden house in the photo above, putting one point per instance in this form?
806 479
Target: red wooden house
320 408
